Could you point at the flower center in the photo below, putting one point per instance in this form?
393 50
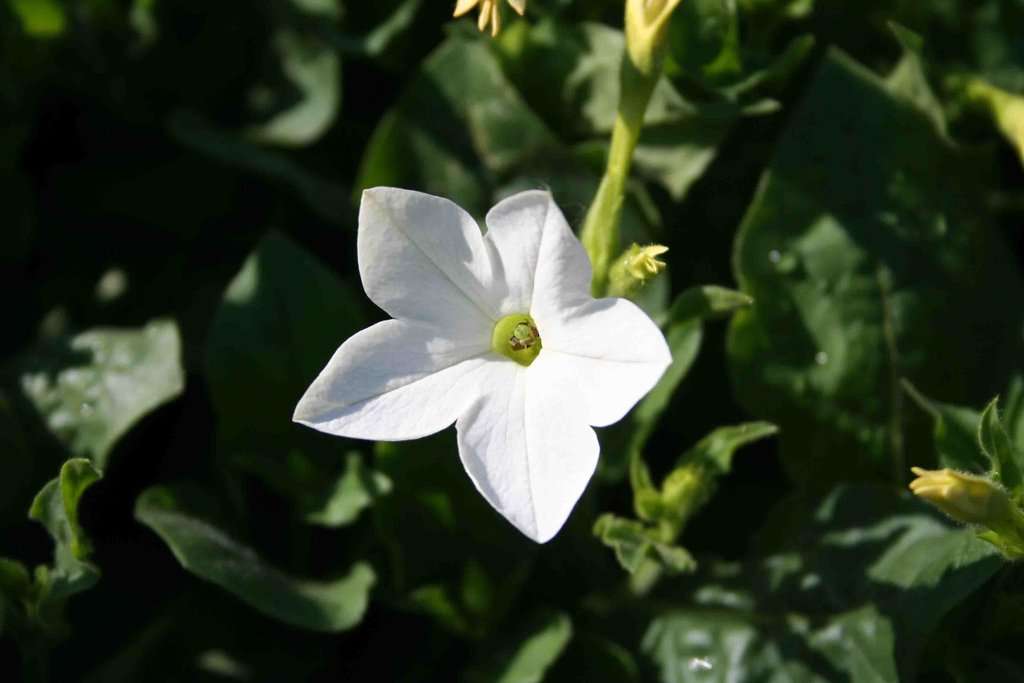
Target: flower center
516 337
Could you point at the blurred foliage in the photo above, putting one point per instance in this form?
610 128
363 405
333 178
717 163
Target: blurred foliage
177 254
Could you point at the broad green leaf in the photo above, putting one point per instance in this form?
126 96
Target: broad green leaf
704 39
213 555
956 433
908 78
860 643
868 570
314 71
459 127
996 444
325 498
56 508
281 318
849 297
569 75
534 655
322 196
595 659
105 381
352 493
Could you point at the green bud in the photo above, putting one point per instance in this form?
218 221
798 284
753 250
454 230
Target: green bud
634 269
1005 109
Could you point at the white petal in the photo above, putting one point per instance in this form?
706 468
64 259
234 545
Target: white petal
525 445
562 279
532 246
395 380
423 258
611 349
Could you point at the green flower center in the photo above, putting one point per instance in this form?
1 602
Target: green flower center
516 337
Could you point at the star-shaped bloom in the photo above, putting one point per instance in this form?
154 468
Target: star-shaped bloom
489 13
495 332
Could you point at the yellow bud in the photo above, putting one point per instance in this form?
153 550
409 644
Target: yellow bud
646 21
1005 108
964 497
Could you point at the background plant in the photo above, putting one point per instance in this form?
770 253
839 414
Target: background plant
177 261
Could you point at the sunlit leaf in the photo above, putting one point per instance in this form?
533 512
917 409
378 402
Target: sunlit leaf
848 298
103 382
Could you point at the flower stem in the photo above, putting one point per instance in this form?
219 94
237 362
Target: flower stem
641 68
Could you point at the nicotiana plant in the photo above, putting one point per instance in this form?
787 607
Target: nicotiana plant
667 480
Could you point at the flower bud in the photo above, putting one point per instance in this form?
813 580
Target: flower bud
964 497
1006 109
634 269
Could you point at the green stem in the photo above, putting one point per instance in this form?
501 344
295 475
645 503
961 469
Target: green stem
641 69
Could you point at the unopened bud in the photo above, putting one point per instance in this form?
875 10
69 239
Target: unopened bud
964 497
1005 108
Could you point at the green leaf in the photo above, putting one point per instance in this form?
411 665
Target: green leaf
389 32
707 302
281 318
535 654
996 444
908 78
634 543
459 126
212 554
40 18
324 495
717 449
92 393
56 508
853 593
314 71
849 296
569 75
323 196
692 481
352 493
955 435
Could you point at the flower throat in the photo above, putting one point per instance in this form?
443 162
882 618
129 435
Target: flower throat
516 337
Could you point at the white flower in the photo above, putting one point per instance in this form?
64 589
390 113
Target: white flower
495 332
